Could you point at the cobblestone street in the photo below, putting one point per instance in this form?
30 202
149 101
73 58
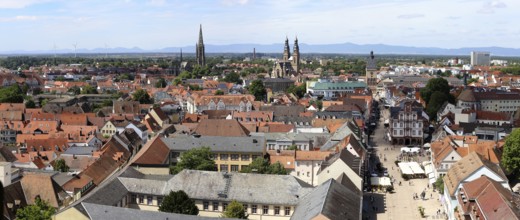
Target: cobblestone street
401 203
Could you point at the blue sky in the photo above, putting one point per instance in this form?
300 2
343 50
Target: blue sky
155 24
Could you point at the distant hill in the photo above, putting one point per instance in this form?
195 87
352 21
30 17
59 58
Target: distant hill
343 48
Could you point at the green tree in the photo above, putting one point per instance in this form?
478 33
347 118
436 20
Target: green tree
161 83
433 85
179 202
318 103
258 90
297 90
292 147
263 166
233 78
142 97
11 94
41 210
195 159
235 210
436 101
60 78
439 184
219 92
511 156
88 89
61 166
30 104
75 90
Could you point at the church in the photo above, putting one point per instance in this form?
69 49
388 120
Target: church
289 65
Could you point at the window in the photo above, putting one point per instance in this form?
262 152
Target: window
234 157
245 157
159 201
224 156
224 206
244 167
215 206
205 205
134 199
245 208
287 211
234 168
223 168
253 209
141 199
265 209
254 157
149 200
277 210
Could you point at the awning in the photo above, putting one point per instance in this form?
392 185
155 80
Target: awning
410 168
380 181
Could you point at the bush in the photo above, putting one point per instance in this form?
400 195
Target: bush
421 211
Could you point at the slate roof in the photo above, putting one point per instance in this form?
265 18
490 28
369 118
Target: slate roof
217 144
350 85
283 110
332 200
467 96
102 212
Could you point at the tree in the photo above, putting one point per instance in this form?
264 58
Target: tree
75 90
436 101
439 185
179 202
219 92
11 94
235 210
263 166
161 83
61 166
258 90
433 85
233 78
88 89
142 97
30 104
60 78
41 210
297 90
195 159
511 156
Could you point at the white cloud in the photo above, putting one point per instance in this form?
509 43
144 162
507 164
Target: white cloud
19 18
14 4
157 2
410 16
234 2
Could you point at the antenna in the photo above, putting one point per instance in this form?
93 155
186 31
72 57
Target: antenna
75 45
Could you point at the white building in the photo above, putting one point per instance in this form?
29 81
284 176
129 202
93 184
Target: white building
480 58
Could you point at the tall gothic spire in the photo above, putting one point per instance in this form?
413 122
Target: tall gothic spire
200 51
286 50
201 41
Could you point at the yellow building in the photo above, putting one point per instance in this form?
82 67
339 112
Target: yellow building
231 154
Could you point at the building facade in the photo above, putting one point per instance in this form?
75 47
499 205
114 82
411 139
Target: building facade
371 72
406 124
480 58
289 64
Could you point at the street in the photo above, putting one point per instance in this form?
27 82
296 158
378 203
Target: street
401 203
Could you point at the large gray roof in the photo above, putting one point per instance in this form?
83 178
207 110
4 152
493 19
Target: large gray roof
102 212
110 194
243 187
290 136
216 143
332 200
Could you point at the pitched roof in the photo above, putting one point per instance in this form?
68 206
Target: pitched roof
491 198
217 143
153 152
221 127
467 96
312 155
331 200
35 184
465 167
494 116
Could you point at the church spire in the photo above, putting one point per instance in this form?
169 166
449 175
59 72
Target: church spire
200 51
286 50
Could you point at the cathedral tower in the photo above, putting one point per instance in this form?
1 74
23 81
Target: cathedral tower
371 75
296 56
286 50
199 47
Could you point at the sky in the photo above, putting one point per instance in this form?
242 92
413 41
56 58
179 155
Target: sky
154 24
